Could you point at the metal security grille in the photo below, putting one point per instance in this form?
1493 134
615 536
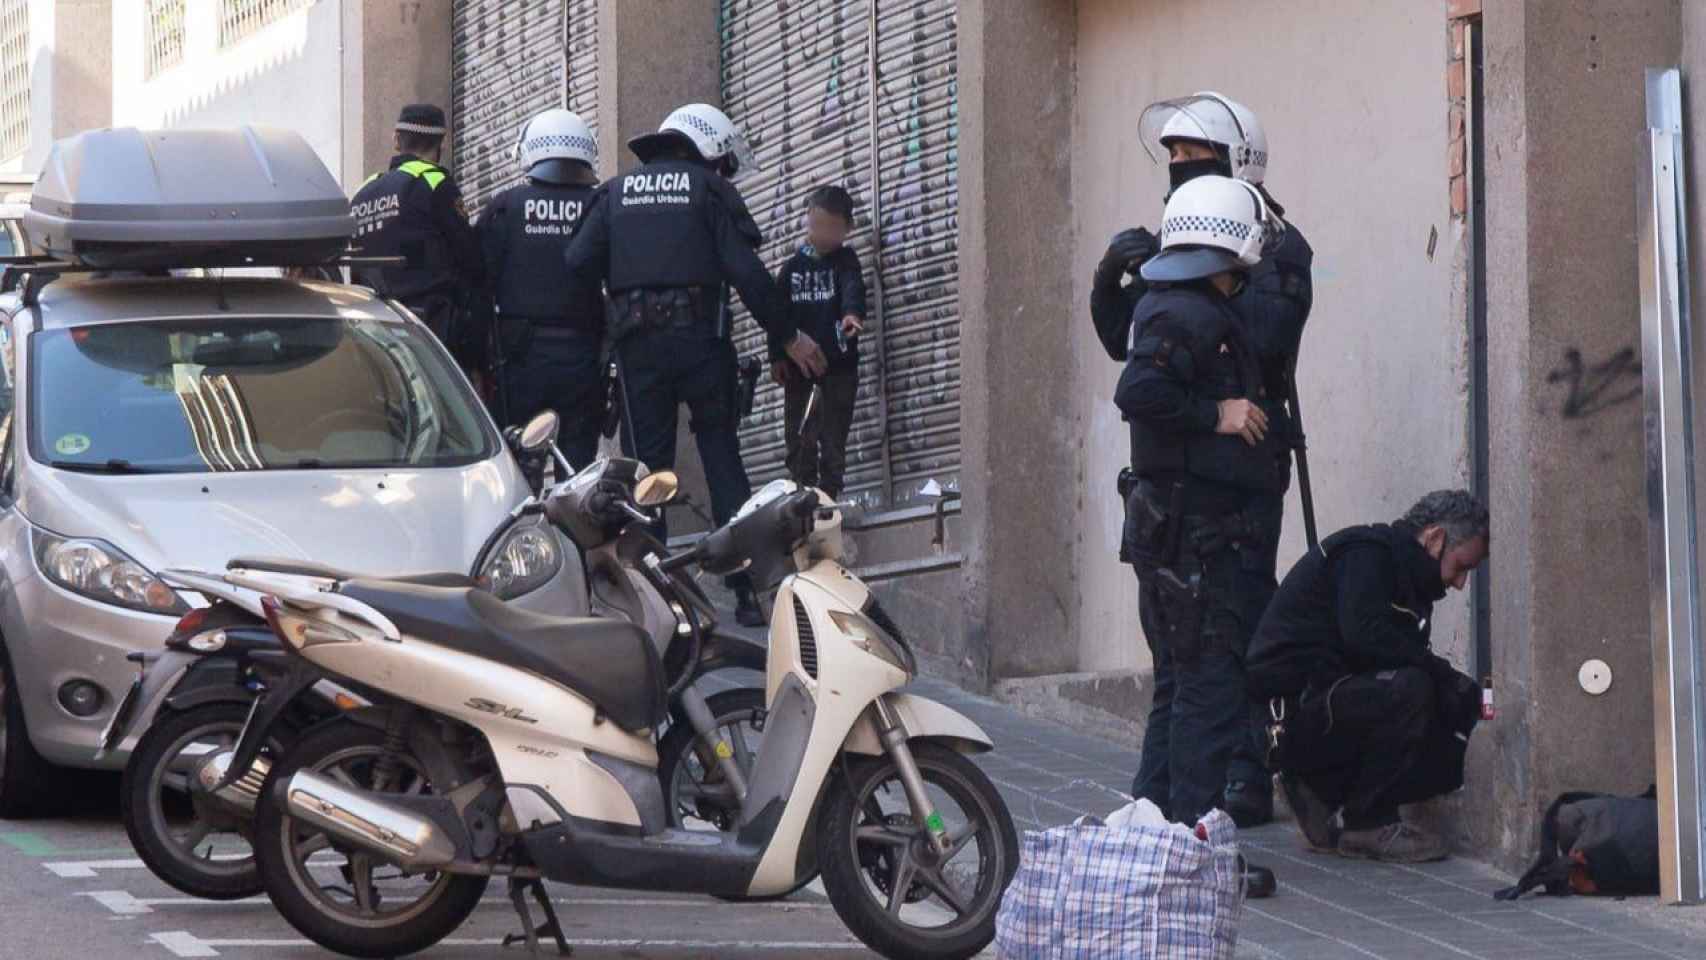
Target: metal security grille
165 28
509 60
14 77
240 18
798 79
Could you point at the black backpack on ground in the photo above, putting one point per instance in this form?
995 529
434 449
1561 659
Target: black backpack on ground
1596 843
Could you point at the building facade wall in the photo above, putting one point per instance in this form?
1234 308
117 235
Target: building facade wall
1352 100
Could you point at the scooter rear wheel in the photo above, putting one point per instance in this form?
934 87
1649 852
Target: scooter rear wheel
382 912
884 879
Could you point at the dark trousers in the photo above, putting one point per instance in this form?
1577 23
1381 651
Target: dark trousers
1249 758
554 368
663 369
817 448
1371 742
1201 713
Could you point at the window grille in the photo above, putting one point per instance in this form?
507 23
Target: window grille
240 18
165 37
14 77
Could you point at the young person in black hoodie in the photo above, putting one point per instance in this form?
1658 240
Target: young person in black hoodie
825 288
1372 718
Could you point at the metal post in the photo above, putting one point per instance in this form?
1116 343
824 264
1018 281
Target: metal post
875 305
1668 360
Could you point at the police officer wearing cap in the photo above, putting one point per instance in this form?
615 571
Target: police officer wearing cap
1205 456
1202 135
547 337
414 209
667 239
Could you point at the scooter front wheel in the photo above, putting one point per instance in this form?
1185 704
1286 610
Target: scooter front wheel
189 840
887 882
698 796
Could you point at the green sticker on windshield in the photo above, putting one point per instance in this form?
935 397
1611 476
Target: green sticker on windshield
71 444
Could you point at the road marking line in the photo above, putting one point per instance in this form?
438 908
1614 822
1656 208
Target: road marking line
182 943
83 869
124 903
119 902
36 845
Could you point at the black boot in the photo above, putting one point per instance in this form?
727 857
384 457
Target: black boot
747 611
1249 804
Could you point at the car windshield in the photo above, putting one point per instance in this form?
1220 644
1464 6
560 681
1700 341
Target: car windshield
196 395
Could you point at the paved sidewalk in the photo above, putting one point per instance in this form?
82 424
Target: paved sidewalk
1329 908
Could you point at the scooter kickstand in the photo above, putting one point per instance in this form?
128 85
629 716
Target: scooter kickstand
518 890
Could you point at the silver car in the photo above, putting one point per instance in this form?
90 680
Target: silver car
153 423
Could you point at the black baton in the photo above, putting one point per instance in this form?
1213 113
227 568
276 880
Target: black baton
1301 445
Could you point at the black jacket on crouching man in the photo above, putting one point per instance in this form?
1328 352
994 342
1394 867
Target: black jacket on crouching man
1374 718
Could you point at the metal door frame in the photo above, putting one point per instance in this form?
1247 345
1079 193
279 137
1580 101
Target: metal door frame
1670 358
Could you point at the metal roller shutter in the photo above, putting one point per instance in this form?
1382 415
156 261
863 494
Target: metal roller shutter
797 78
511 59
918 184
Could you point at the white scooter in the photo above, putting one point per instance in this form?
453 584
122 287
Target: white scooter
522 749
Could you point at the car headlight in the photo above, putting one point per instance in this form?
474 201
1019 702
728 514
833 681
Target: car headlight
524 560
876 641
100 571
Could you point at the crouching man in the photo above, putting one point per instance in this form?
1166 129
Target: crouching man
1366 716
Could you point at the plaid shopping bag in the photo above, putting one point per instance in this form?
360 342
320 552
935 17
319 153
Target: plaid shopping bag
1103 893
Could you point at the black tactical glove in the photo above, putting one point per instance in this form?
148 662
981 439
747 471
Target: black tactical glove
1125 254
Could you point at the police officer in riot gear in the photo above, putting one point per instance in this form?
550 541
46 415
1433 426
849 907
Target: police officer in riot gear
1209 134
547 338
1209 480
667 239
414 209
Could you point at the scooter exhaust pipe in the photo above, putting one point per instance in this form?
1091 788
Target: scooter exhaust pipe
243 793
358 817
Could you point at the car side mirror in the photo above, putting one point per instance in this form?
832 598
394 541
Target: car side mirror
538 435
657 489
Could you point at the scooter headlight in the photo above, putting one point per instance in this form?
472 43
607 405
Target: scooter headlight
876 641
100 571
527 558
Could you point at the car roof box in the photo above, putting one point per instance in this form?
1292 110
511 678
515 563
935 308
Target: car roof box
128 198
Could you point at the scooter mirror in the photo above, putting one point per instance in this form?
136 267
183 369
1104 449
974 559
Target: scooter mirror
657 489
539 433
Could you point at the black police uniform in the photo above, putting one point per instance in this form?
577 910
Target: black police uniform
666 240
1373 718
414 209
1273 308
1194 518
549 337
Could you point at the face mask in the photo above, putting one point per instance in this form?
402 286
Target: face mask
1183 172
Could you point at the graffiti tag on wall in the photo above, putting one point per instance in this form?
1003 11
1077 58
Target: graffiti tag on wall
1594 389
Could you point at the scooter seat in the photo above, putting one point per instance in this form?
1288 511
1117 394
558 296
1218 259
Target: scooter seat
611 663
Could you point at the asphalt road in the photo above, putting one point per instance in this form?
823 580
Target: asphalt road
70 887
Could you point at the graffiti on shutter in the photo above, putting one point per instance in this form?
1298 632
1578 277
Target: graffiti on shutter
796 78
509 60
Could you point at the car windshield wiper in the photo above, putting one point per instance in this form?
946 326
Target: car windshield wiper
107 466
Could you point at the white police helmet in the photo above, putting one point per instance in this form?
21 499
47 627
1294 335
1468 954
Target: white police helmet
554 135
707 129
1211 225
1211 118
